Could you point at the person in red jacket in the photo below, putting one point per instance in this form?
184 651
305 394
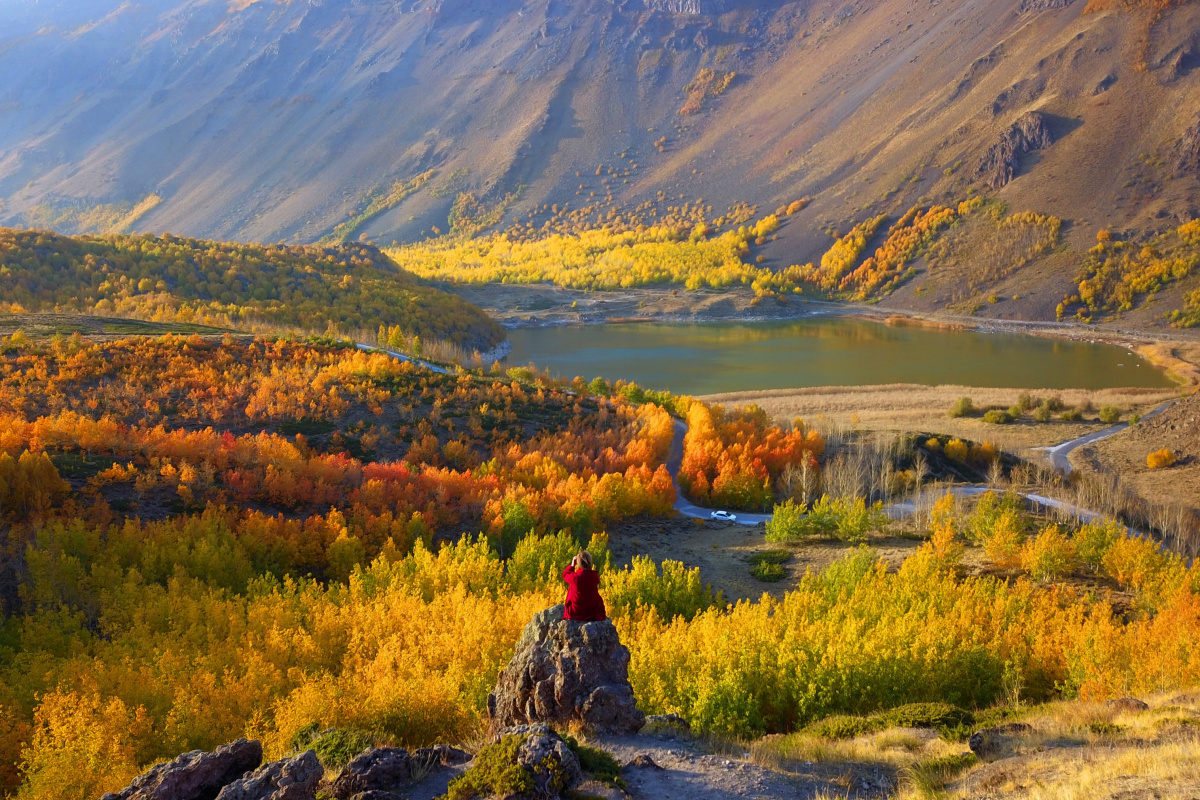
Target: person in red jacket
583 590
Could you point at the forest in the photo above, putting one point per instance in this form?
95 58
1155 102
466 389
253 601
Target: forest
215 537
343 288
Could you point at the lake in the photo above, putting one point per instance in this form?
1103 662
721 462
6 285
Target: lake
709 358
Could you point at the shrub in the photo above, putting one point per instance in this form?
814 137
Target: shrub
963 407
787 524
1095 539
997 416
336 747
843 726
1071 415
1042 413
1160 459
848 520
1049 555
1110 415
1016 411
768 565
957 450
1003 541
596 762
1026 401
768 571
496 772
927 715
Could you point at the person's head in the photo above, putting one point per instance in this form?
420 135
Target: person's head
584 559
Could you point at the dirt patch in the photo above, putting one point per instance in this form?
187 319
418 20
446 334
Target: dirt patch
910 407
723 552
1176 429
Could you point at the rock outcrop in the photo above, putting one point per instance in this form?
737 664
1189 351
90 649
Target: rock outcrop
565 670
1031 132
1128 705
991 741
545 755
1188 159
290 779
384 770
197 775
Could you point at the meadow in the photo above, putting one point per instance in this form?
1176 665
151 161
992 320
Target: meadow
210 538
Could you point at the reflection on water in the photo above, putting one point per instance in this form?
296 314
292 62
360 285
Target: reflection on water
725 357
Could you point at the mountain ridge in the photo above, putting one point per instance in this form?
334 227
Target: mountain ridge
287 121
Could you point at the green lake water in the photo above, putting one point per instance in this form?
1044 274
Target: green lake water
824 351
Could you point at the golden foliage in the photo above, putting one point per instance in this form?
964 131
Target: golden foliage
1160 459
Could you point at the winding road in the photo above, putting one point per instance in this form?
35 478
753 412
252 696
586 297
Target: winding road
1057 454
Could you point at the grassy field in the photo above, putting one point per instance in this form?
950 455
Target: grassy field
45 325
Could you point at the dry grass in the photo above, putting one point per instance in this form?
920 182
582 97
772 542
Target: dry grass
906 407
1083 750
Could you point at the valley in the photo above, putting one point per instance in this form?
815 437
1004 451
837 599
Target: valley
857 343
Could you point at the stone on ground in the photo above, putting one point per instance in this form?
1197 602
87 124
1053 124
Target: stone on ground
197 775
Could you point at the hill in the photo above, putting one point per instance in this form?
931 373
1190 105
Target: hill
213 537
397 121
338 288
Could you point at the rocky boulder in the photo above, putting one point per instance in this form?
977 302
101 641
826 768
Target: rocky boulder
197 775
1031 132
386 769
991 741
565 670
545 755
290 779
1128 705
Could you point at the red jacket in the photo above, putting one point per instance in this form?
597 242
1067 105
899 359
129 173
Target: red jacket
583 595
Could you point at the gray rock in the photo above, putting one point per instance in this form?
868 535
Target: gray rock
290 779
197 775
565 670
1188 150
990 741
382 769
643 761
1031 132
1130 705
554 767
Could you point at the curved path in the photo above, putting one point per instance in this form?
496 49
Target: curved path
401 357
908 507
1059 454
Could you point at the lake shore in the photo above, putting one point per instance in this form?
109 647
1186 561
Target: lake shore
540 306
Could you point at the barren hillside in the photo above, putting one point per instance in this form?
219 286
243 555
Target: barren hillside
283 121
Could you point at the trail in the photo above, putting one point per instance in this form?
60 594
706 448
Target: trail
401 357
1059 454
906 508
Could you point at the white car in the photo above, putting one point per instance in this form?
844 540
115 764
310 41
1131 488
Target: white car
724 515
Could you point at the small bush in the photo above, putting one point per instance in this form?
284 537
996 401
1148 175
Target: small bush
927 715
963 407
596 762
1055 403
844 726
1026 401
336 747
1016 411
1042 413
1071 415
1110 415
1049 555
849 520
997 416
768 572
1160 459
1134 419
957 450
496 772
1094 540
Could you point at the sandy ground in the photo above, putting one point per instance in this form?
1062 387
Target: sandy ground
910 407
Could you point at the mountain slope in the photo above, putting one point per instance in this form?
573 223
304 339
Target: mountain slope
266 121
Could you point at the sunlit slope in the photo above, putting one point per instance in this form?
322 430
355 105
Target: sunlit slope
344 289
399 121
